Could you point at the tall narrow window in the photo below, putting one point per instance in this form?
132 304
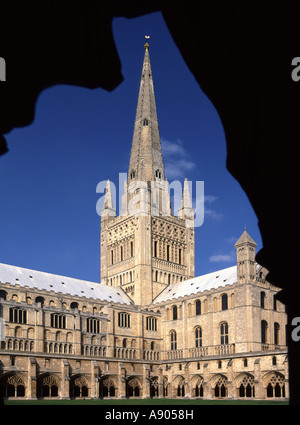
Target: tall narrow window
224 302
168 252
112 256
173 337
155 249
131 249
276 333
174 308
264 327
198 307
262 299
121 253
224 333
198 337
180 256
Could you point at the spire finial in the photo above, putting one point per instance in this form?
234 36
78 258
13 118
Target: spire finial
147 44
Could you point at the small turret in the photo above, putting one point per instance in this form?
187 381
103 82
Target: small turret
245 255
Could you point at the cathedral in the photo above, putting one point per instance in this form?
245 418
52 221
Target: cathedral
150 328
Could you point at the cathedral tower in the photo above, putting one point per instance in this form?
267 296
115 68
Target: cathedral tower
146 247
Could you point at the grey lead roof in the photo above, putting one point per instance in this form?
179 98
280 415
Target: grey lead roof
66 285
206 282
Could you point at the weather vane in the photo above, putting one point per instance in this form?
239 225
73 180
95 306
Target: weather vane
147 44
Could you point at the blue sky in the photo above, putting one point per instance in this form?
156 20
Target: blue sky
48 180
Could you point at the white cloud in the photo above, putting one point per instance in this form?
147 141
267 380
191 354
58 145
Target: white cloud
214 215
222 258
176 159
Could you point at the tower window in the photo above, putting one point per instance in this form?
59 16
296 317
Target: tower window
112 257
198 337
173 337
158 174
264 328
168 252
155 248
224 302
224 333
174 308
180 256
198 308
145 122
131 249
132 174
262 299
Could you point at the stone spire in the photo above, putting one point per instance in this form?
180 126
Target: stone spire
186 211
146 163
108 209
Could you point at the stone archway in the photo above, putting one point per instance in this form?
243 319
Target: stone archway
274 385
154 387
79 386
108 387
197 385
244 384
219 386
48 385
12 385
179 386
133 388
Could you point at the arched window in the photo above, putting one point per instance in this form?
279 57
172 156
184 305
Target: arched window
224 333
40 300
145 122
198 307
262 299
3 295
74 305
173 338
264 327
132 174
224 302
276 333
198 337
174 309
